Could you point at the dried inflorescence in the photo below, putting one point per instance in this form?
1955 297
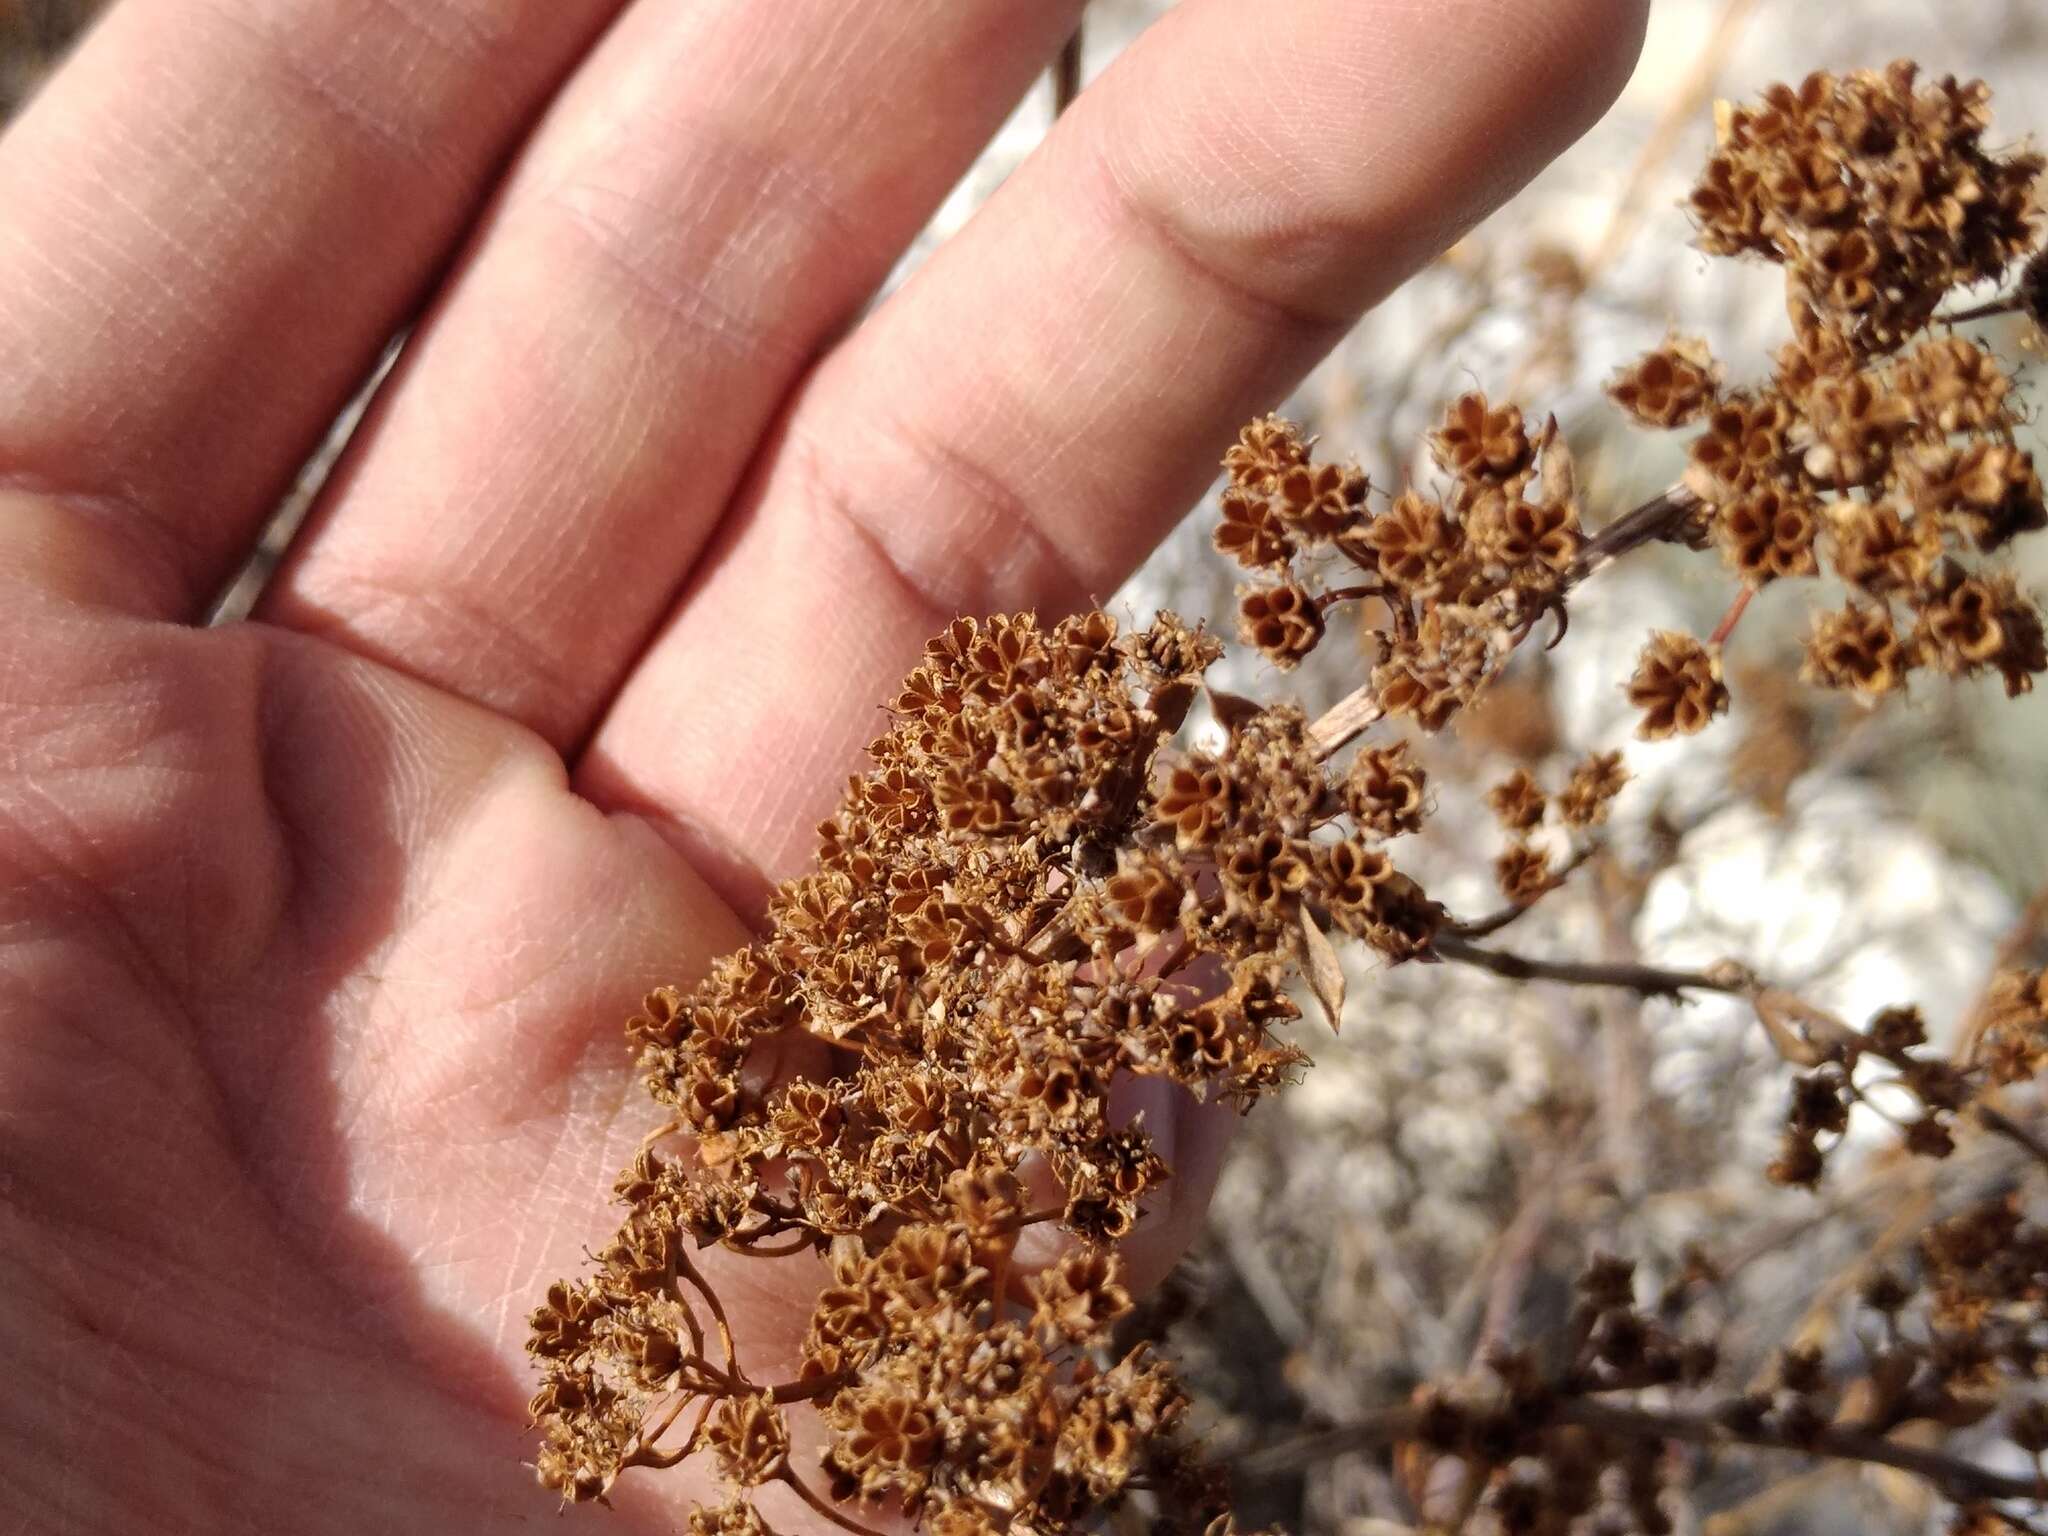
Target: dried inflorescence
1886 1063
1508 1447
1524 871
1880 448
1456 579
1050 883
1677 686
1580 1443
1591 789
1022 902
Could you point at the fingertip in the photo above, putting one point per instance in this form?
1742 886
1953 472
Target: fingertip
1602 45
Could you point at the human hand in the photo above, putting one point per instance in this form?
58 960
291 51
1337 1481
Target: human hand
315 931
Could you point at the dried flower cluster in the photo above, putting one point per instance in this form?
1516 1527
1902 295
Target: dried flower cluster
1049 882
1582 1444
1508 1447
1457 581
1009 913
1524 871
1880 449
1887 1066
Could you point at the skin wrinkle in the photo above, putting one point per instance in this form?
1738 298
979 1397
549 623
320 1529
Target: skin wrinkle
753 166
358 625
278 47
114 1063
687 302
222 1356
89 258
1125 206
151 558
998 513
430 85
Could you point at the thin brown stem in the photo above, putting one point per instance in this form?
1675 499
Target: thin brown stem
732 1355
1682 108
823 1508
1066 73
672 1283
1493 922
666 1128
1514 1261
1998 1121
1655 519
2011 304
1731 618
1032 1218
1964 1481
810 1391
1345 721
645 1454
1352 594
1646 980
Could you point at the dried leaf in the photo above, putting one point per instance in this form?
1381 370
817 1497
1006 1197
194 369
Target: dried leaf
1724 123
1560 469
1804 1035
1320 965
1233 711
1169 704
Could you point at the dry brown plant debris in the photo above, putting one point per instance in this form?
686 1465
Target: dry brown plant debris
1047 881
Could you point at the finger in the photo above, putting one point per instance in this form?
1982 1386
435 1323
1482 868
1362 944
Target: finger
719 191
1191 1138
1019 425
211 221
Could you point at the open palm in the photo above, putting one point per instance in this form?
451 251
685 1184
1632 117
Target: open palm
315 931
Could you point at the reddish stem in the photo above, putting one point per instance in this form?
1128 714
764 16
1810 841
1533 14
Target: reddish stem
1731 618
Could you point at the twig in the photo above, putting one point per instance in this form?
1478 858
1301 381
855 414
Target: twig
2025 931
2011 304
1255 1272
1493 922
1963 1481
1681 110
1343 721
1653 520
1731 618
1513 1261
1066 73
1646 980
1383 1427
803 1492
2004 1125
690 1273
1330 599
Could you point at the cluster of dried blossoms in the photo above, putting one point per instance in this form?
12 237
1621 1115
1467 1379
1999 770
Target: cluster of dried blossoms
1581 1440
1456 581
1039 891
1009 914
1887 1065
1880 449
1524 871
